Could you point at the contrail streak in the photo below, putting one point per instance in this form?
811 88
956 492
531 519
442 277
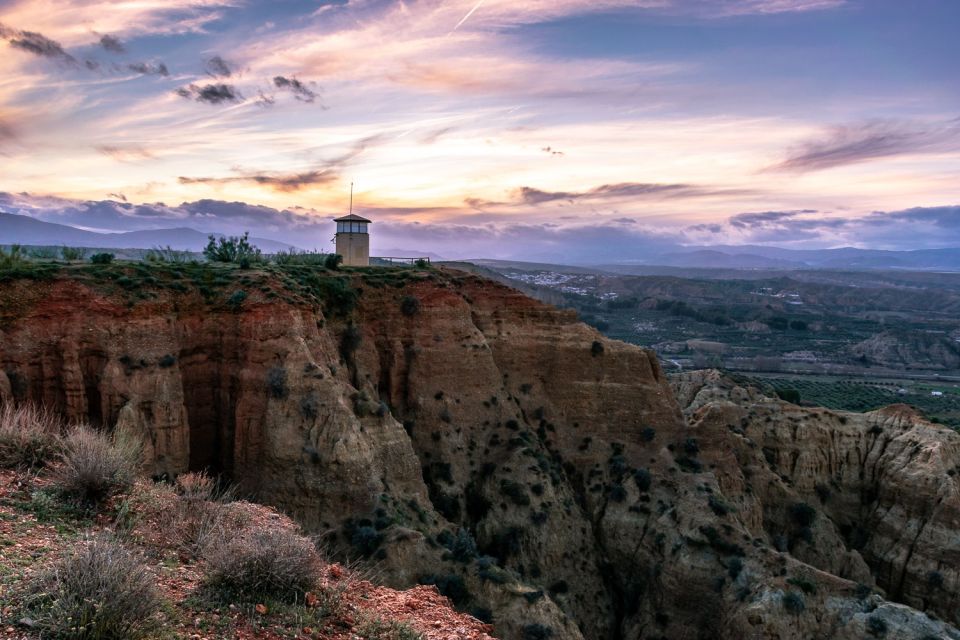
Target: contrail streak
467 17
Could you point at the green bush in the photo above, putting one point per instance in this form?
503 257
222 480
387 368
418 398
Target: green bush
277 382
333 261
101 590
30 437
261 562
233 249
102 258
410 306
793 603
378 629
73 253
94 466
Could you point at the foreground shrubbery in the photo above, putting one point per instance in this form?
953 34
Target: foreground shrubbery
30 437
94 465
261 562
101 590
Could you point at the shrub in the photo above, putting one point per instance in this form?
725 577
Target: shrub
409 306
643 479
259 561
333 261
231 249
167 361
451 586
102 258
277 382
876 626
101 590
515 491
29 436
236 299
596 348
648 434
463 546
94 465
537 631
73 253
793 603
366 540
802 514
807 586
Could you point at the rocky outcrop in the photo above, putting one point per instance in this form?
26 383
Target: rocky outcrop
909 350
872 498
458 433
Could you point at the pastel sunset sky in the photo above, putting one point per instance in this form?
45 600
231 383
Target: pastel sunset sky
498 128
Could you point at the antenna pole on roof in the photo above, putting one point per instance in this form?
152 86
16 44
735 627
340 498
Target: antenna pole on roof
351 198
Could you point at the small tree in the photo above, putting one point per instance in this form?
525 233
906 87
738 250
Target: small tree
231 249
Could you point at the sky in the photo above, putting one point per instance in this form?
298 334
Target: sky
600 129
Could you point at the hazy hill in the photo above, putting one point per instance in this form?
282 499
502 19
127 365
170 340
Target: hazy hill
16 229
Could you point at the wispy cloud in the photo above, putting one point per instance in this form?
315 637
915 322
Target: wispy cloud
216 93
630 190
218 67
112 44
326 173
854 143
37 44
149 68
300 90
127 153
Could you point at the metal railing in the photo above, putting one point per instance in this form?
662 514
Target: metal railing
396 260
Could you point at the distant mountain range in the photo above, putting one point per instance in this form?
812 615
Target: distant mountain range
760 257
17 229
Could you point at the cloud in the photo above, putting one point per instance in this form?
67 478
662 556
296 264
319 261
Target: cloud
531 196
125 153
152 68
37 44
326 173
913 228
851 144
217 67
217 93
764 218
277 181
300 91
112 44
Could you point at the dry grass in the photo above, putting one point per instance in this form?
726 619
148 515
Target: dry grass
101 590
30 437
94 465
262 562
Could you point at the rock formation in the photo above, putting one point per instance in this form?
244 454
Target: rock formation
458 433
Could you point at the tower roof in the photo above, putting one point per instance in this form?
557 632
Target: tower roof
352 218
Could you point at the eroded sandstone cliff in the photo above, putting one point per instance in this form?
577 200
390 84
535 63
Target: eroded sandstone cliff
458 433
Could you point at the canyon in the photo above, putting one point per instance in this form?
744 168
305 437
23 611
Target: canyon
449 430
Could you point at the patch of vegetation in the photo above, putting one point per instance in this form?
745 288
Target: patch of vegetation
100 590
30 437
260 562
235 249
94 466
449 585
102 258
409 306
793 603
277 383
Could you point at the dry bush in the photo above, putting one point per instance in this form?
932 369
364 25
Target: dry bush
100 591
30 436
261 562
94 465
